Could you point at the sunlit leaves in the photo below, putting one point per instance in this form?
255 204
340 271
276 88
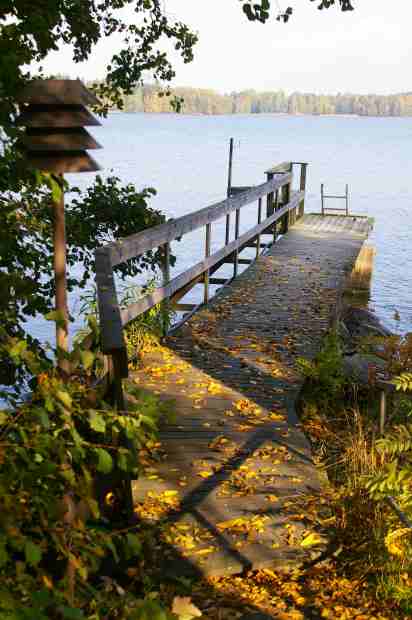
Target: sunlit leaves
184 609
105 461
97 422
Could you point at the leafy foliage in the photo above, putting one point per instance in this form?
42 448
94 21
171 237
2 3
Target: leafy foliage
141 334
325 372
105 211
54 448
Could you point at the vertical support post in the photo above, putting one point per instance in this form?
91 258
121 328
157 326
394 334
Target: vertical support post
322 199
236 261
302 187
286 191
269 198
124 485
276 208
347 199
382 412
229 189
207 254
59 261
166 280
259 222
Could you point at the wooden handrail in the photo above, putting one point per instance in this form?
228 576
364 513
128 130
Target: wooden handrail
113 318
164 292
124 249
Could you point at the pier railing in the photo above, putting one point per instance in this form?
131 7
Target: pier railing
283 207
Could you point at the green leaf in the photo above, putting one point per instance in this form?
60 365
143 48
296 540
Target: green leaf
105 461
122 461
64 398
134 544
57 316
32 553
18 348
87 358
43 418
97 422
54 186
3 417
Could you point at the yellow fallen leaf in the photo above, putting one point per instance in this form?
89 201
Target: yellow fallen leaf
311 540
278 417
205 551
214 388
205 474
184 609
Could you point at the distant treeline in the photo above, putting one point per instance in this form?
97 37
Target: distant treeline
204 101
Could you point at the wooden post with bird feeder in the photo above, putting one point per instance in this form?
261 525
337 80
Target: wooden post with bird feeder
55 113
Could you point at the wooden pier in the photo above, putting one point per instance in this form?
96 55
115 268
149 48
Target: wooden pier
233 484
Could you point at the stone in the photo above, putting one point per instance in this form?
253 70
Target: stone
361 323
357 367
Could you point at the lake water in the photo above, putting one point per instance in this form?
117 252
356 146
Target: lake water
185 159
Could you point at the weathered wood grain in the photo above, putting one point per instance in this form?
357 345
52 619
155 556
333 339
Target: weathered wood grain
242 348
134 310
56 116
62 92
135 245
72 139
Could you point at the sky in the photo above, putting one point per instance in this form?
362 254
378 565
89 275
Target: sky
368 50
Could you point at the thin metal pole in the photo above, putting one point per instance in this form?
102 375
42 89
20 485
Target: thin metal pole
59 261
229 189
259 222
236 262
322 199
347 199
207 254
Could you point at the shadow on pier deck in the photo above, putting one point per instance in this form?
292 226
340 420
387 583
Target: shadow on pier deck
234 485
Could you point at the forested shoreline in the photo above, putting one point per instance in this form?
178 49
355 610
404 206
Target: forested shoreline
204 101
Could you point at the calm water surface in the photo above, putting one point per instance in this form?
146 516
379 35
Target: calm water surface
185 159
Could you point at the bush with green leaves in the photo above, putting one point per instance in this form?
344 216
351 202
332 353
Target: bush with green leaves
325 374
56 448
105 211
143 333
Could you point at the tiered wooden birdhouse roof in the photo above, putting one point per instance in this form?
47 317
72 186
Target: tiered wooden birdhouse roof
55 115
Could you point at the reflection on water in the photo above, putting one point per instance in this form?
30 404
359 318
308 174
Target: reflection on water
185 159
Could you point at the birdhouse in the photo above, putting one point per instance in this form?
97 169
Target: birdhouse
55 139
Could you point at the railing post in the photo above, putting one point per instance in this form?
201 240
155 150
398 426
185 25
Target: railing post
269 198
166 280
259 222
207 254
236 261
277 207
302 187
286 192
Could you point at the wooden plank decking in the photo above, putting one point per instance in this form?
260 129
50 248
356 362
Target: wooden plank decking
234 482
